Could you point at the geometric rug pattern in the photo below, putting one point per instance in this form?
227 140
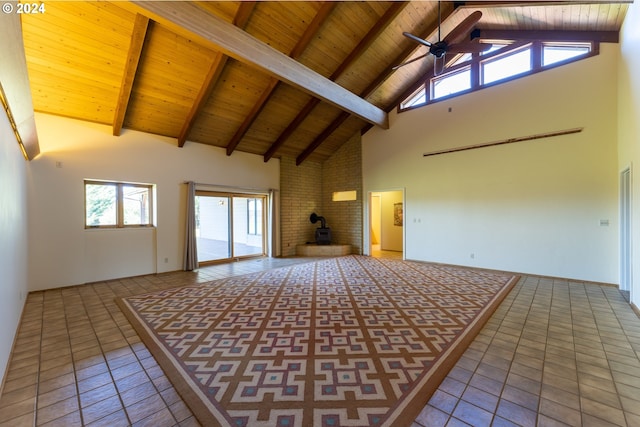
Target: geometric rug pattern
349 341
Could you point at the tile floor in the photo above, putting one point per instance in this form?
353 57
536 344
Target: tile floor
555 353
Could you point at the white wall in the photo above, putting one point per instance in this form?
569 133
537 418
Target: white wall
531 207
62 252
13 238
629 126
391 234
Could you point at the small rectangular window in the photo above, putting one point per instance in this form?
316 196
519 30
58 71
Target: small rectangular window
117 204
344 196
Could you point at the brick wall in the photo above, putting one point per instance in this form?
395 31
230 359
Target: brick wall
309 187
343 172
300 194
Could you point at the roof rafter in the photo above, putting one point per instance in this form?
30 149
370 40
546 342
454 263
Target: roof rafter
369 38
312 29
320 138
185 17
215 70
402 57
138 35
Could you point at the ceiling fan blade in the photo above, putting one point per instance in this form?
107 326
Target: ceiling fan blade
417 58
417 39
460 32
469 47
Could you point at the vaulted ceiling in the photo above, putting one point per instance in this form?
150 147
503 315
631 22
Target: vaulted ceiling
294 79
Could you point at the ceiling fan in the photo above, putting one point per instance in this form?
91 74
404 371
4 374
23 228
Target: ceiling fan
452 44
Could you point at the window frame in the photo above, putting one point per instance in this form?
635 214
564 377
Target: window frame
119 202
511 47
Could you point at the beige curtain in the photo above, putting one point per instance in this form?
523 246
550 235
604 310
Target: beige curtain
274 224
190 245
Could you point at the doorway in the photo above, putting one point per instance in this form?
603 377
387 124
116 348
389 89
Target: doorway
386 224
229 226
625 231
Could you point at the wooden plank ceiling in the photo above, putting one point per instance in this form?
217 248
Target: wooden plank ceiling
158 67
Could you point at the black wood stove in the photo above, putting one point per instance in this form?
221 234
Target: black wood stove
323 233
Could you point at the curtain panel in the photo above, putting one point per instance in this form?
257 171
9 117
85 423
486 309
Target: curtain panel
190 243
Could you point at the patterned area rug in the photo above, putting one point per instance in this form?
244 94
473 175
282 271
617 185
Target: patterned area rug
350 341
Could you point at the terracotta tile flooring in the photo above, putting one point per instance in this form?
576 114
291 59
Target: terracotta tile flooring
555 353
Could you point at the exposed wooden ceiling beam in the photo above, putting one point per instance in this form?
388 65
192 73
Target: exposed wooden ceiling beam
138 35
321 138
310 32
215 70
401 58
369 38
181 16
302 114
15 82
404 55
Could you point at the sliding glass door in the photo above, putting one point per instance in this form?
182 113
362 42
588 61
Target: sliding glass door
229 226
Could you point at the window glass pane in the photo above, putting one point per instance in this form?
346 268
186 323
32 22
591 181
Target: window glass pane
213 227
251 216
450 84
506 66
247 226
553 54
418 98
100 204
135 202
461 59
494 47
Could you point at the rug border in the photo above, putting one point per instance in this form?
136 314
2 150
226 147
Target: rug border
404 412
408 410
205 413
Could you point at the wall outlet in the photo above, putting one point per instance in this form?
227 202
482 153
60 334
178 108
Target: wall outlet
166 260
473 256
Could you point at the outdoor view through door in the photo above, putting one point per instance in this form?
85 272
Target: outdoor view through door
229 226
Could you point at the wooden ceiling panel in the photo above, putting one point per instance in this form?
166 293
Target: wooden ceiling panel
223 9
280 24
588 16
415 18
81 72
346 26
240 86
310 128
333 143
284 105
81 66
170 74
